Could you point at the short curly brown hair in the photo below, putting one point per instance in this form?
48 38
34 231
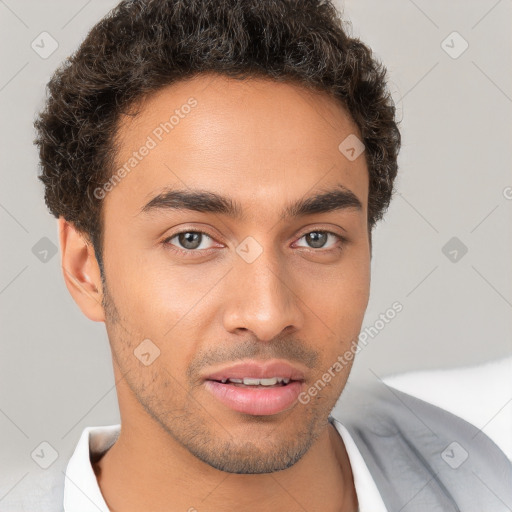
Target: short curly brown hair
141 46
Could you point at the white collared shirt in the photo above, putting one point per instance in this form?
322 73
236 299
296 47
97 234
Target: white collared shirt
82 492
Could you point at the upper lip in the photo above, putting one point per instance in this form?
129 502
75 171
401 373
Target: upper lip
257 370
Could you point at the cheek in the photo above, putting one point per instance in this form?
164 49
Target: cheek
338 303
338 294
150 293
156 302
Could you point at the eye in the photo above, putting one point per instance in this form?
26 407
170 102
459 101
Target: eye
317 239
188 241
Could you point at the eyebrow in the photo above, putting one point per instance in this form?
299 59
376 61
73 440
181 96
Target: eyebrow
339 198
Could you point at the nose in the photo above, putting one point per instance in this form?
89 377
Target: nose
261 297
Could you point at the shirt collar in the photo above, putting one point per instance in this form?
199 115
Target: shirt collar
81 490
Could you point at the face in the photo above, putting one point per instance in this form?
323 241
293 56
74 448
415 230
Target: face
263 275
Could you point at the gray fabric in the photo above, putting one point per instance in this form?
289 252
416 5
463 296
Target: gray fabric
35 489
402 440
424 458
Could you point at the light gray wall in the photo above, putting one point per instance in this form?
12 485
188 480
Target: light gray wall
55 365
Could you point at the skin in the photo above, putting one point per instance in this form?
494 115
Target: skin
265 145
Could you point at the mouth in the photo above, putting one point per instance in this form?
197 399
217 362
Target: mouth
257 388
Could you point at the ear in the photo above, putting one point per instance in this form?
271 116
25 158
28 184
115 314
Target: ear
81 271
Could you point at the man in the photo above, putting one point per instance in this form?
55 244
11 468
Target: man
217 169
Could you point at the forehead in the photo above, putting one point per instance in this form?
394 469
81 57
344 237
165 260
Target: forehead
256 140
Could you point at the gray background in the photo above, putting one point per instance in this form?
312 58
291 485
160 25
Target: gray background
55 365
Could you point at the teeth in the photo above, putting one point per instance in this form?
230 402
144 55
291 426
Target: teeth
248 381
252 382
260 382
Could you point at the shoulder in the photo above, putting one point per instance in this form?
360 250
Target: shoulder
30 488
414 448
481 395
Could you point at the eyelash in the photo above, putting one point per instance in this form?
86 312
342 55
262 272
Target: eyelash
194 253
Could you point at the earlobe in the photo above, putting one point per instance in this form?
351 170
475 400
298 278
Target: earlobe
81 271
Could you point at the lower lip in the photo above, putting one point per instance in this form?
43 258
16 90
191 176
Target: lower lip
257 400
